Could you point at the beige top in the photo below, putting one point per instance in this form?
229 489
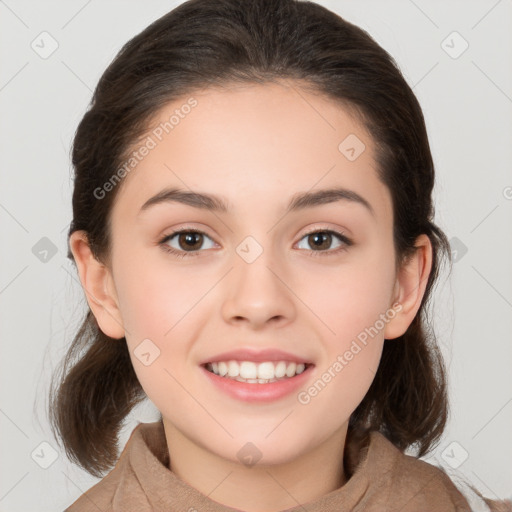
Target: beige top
380 478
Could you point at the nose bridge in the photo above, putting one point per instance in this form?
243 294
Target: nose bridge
256 291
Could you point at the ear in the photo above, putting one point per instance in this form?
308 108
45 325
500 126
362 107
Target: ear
410 287
98 286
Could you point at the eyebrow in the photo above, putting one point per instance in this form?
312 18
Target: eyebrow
298 202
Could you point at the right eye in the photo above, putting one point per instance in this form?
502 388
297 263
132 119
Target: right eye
186 242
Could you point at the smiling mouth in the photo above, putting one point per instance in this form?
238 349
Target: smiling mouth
257 373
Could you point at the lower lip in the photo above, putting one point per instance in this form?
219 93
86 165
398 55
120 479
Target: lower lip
259 392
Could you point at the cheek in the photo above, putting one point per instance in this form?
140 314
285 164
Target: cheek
353 304
155 295
352 348
162 310
347 299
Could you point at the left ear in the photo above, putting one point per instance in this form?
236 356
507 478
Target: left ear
410 287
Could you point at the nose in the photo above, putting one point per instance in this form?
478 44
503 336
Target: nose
257 294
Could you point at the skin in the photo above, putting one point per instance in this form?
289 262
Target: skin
256 146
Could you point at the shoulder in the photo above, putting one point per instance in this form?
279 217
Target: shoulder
415 484
119 489
477 501
411 484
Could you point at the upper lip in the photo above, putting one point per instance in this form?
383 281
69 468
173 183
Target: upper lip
258 356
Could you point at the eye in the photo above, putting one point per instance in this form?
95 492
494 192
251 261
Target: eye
189 242
322 240
186 242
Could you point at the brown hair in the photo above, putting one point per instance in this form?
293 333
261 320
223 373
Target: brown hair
202 43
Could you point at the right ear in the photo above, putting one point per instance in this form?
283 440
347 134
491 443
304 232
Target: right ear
98 286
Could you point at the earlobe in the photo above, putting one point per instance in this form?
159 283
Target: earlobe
410 288
98 286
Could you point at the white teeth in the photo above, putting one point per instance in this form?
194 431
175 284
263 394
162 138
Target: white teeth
266 370
233 369
290 369
222 369
249 371
280 370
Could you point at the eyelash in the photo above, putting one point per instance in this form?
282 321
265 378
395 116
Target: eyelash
183 254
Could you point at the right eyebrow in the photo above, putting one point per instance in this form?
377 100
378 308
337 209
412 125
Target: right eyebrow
195 199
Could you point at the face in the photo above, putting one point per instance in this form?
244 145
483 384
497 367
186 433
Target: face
316 280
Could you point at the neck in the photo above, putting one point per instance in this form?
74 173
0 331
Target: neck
259 488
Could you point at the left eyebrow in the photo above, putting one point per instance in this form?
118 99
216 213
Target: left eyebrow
298 202
309 199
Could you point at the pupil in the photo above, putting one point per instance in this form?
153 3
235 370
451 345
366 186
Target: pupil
190 238
320 237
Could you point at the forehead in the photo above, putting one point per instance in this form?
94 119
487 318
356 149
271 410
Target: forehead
254 145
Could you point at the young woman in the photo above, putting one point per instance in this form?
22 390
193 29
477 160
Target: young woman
253 229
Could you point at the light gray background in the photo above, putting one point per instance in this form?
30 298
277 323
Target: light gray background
467 103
